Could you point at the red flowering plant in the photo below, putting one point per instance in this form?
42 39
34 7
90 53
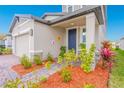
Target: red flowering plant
107 55
106 44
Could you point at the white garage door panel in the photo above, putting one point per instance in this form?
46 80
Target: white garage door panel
22 45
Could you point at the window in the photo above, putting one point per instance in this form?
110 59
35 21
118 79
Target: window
84 35
70 8
83 6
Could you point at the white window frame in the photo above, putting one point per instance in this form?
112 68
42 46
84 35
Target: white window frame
82 6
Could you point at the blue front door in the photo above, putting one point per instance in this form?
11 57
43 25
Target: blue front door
72 39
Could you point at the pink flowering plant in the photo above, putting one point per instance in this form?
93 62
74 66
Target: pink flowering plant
107 56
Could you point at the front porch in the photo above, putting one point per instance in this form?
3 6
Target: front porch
82 29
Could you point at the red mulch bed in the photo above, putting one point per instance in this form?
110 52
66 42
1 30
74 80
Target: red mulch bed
22 71
98 78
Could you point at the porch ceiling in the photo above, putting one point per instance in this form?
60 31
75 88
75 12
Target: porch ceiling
78 21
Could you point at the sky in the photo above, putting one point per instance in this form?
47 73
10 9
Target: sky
115 17
7 13
115 22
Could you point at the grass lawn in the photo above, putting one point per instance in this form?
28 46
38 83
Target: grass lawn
117 75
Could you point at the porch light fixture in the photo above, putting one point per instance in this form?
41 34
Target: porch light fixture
84 33
72 24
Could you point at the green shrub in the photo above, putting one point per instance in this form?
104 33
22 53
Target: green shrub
86 58
62 51
48 65
14 83
66 75
25 61
117 48
27 64
49 57
1 50
17 83
82 45
37 60
43 79
60 59
86 67
31 84
70 57
7 51
89 86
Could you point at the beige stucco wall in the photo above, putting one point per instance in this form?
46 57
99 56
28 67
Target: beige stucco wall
43 37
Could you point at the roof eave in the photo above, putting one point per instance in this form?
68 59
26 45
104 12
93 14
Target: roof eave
12 24
26 16
52 14
95 9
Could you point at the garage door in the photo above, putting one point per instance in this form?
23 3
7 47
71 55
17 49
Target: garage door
22 45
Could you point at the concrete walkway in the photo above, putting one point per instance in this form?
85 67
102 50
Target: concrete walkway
34 76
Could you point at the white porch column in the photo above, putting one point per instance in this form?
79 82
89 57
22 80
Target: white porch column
101 34
90 29
97 40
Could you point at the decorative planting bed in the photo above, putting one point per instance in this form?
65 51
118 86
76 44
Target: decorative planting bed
28 66
97 78
22 71
88 69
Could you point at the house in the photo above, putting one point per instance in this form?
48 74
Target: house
120 43
2 43
113 44
8 41
76 24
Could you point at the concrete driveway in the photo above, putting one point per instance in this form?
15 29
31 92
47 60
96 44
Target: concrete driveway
6 73
6 62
